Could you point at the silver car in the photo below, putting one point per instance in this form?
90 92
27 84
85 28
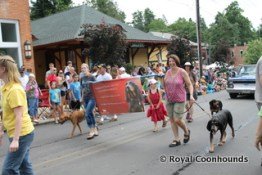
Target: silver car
243 82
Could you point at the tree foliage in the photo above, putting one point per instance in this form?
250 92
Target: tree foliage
181 47
138 20
234 16
142 20
184 29
108 7
42 8
220 51
254 51
107 43
229 28
148 18
223 30
158 25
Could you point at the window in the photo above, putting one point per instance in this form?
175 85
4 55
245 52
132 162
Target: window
10 40
241 53
232 54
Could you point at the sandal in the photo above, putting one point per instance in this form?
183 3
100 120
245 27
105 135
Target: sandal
175 143
187 137
164 123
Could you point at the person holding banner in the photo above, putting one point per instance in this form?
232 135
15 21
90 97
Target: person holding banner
88 100
174 84
156 111
104 76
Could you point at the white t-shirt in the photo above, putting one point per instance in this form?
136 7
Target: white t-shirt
125 75
104 77
258 92
24 80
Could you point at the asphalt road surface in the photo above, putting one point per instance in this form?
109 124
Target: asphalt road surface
129 147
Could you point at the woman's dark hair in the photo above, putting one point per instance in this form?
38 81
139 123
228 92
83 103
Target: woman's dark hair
141 71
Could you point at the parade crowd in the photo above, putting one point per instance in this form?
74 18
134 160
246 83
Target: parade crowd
179 86
66 86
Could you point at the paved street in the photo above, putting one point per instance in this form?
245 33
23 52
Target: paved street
129 146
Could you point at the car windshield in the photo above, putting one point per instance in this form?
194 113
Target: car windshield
247 70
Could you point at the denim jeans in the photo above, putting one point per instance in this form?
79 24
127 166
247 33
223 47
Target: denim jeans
32 106
18 163
89 109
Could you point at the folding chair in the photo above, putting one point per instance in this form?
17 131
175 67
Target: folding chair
44 106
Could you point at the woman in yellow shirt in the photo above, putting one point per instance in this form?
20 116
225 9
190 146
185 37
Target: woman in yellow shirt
16 120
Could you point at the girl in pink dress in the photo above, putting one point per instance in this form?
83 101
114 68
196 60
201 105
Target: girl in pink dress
156 111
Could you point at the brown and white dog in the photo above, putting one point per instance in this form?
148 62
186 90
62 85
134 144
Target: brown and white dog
75 117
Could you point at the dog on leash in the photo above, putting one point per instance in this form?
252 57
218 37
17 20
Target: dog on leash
215 106
76 117
219 122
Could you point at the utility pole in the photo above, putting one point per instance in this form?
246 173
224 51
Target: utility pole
198 38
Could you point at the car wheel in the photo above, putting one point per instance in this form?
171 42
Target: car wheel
232 95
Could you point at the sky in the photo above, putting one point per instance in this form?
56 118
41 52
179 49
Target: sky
173 9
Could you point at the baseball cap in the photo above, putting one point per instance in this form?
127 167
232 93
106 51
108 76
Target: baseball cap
187 64
32 75
122 69
152 81
101 65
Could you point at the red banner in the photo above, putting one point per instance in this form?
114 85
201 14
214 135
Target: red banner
118 96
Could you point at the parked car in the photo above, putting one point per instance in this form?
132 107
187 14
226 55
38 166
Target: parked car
244 82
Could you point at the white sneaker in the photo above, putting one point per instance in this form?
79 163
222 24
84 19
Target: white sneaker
96 132
107 118
115 116
101 119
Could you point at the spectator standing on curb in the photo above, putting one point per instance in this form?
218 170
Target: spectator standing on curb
75 93
258 99
68 67
189 115
122 73
51 67
23 77
51 77
63 87
16 120
103 76
55 100
32 94
88 100
174 83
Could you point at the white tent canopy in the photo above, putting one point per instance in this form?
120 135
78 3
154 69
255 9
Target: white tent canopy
212 66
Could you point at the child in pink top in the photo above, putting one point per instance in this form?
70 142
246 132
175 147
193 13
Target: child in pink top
32 94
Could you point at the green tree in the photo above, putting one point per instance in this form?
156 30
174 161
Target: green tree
181 47
158 25
107 43
42 8
108 7
223 30
184 29
259 31
220 51
138 20
234 16
143 19
148 18
254 51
